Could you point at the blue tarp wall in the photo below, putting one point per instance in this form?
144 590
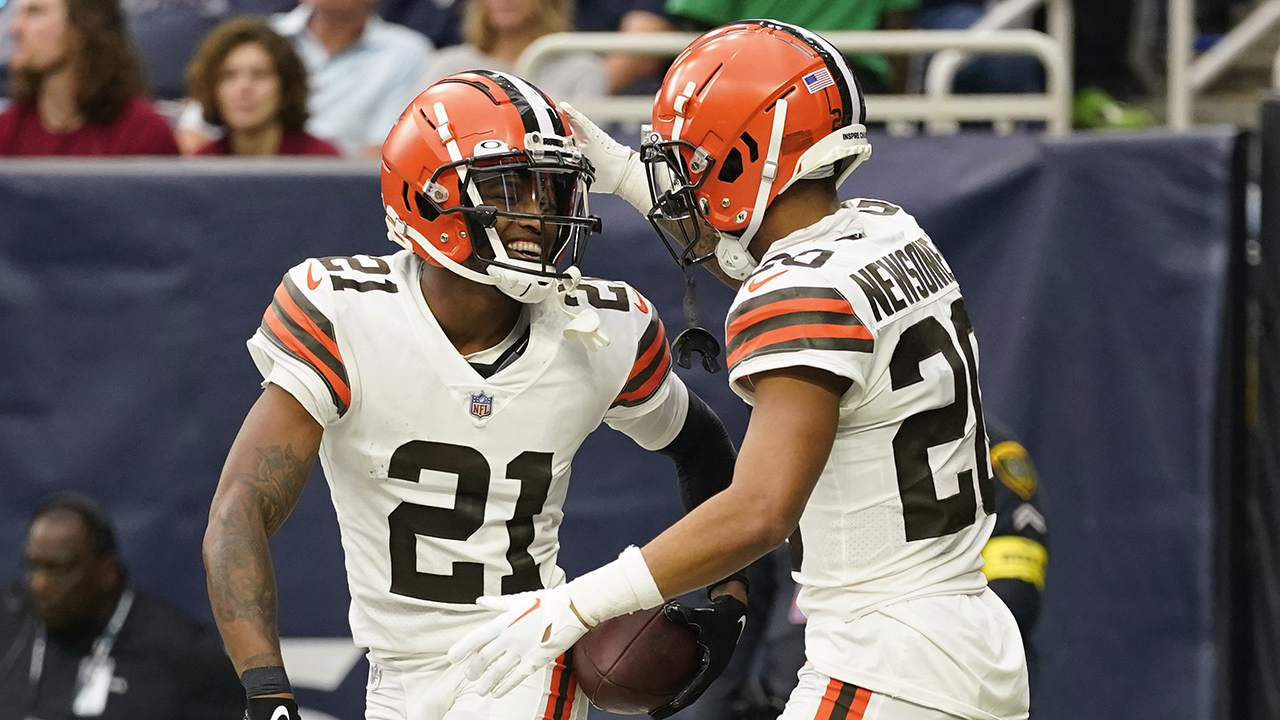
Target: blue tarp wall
1094 268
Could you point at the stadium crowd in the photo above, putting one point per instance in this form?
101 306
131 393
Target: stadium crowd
98 77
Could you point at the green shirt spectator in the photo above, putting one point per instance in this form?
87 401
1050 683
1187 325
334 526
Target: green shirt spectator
817 15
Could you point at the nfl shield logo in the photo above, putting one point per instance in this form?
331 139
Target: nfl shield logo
481 405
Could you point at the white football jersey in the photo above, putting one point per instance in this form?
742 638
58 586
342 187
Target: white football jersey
447 485
892 536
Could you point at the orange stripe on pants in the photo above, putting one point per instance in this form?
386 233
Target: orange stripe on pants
838 704
563 684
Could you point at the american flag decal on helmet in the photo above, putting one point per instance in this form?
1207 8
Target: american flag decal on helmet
818 79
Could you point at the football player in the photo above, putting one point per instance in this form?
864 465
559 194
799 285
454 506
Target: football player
850 339
773 641
445 389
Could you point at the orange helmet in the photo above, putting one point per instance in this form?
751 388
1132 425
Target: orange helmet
481 150
745 111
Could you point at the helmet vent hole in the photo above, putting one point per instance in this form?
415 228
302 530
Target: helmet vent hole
425 207
732 167
710 77
783 96
752 148
424 117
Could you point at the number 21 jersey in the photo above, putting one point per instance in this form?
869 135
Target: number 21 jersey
448 485
891 538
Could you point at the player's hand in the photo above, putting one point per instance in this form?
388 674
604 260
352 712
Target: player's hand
272 708
533 629
618 167
718 626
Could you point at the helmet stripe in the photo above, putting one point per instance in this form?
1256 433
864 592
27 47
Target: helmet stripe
846 81
536 111
541 104
517 98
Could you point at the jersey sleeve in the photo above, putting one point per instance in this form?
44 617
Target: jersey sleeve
296 346
793 317
652 404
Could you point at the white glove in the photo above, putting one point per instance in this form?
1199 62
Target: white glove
618 167
537 627
533 630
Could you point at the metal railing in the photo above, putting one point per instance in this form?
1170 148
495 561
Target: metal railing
939 79
1053 107
1188 76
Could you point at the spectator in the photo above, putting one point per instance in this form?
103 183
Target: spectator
100 647
876 73
76 85
497 31
628 74
439 20
251 82
984 74
1101 56
6 45
364 71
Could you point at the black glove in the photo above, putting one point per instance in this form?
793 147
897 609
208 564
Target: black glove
718 626
270 708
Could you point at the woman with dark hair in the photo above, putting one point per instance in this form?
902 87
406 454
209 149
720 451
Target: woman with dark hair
77 85
250 81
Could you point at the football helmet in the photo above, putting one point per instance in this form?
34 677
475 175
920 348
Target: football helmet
745 111
480 175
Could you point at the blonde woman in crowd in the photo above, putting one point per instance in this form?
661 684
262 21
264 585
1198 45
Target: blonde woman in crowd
497 31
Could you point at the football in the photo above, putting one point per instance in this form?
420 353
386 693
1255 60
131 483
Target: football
632 664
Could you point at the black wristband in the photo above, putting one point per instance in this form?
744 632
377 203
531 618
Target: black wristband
270 680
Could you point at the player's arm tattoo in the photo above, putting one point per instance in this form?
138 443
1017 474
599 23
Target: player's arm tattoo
252 503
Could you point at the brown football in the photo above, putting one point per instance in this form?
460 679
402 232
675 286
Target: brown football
632 664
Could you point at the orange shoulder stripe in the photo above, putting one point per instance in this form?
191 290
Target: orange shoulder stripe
643 360
783 307
652 383
793 332
305 321
284 336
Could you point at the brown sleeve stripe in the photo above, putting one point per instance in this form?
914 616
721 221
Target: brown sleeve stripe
795 318
652 365
791 293
296 331
318 319
805 337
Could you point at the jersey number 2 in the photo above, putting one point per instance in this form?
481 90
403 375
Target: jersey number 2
924 513
409 520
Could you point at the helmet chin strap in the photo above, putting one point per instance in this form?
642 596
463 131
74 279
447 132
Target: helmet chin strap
513 283
404 235
583 324
526 288
731 252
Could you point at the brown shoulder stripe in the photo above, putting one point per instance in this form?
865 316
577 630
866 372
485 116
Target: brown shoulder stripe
795 318
652 365
299 328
